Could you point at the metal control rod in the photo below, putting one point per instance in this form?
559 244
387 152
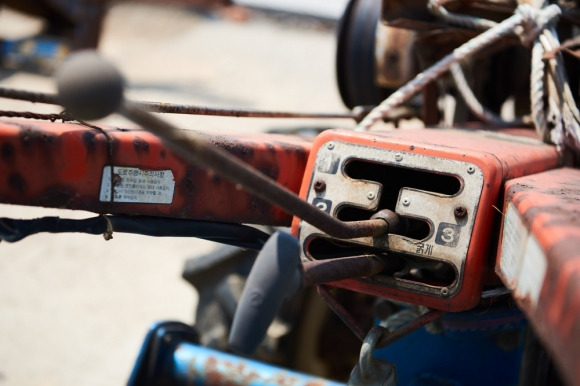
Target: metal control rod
91 88
194 149
175 108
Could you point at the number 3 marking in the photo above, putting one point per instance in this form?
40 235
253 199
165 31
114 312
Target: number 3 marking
448 235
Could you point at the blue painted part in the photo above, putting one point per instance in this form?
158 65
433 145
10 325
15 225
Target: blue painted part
466 353
47 48
38 53
202 366
154 364
6 47
474 349
43 47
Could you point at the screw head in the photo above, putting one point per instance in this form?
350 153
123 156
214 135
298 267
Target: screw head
470 169
371 195
319 186
398 157
406 201
330 146
460 211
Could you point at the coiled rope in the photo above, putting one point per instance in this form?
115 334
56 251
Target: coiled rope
526 21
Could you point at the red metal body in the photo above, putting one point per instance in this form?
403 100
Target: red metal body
63 165
500 157
539 259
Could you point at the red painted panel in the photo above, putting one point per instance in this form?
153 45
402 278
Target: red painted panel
61 165
548 205
501 157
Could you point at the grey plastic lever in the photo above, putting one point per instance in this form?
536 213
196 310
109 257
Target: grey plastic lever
274 277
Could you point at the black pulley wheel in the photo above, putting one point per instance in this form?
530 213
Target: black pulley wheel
355 56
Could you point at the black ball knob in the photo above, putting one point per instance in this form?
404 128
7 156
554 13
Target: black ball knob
89 87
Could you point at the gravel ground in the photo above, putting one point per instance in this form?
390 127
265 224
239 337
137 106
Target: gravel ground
74 308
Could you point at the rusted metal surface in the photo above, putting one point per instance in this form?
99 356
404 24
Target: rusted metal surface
200 365
355 327
408 328
371 370
539 259
193 148
347 318
29 115
494 157
62 165
30 96
174 108
395 56
325 271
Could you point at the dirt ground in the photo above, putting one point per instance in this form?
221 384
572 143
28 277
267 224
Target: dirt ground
74 308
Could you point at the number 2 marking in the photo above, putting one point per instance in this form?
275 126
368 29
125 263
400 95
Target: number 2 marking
322 206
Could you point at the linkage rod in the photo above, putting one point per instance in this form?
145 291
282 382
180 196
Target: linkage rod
194 149
174 108
91 88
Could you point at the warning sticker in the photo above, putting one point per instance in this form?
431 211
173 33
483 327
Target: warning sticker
523 262
136 185
515 235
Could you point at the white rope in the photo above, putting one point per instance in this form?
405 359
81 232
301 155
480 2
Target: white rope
537 94
524 15
474 105
566 132
472 22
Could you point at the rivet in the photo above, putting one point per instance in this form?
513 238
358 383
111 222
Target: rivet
444 291
398 157
330 146
371 195
470 169
406 202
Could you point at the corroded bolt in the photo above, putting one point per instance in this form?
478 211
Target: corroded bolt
319 186
460 211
